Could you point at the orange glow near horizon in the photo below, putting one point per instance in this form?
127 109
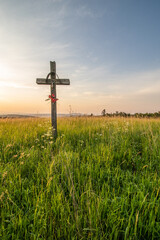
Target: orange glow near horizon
21 94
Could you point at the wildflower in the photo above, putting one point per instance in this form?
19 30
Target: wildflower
1 196
53 99
48 134
4 175
9 145
22 155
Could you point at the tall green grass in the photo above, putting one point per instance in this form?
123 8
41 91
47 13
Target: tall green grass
99 180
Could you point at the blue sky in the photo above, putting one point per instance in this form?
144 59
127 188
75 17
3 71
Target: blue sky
109 50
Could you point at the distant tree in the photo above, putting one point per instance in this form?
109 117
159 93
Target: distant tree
117 113
103 112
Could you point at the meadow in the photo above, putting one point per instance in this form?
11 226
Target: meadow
99 180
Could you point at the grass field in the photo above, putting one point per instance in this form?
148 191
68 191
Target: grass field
99 180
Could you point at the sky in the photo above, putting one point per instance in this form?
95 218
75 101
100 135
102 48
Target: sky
109 49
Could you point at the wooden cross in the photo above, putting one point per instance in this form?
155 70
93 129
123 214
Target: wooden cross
53 81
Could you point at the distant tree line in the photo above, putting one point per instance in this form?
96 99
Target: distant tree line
137 115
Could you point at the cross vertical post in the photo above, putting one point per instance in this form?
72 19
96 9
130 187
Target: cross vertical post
53 104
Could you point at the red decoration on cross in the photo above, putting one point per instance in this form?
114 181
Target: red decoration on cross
53 99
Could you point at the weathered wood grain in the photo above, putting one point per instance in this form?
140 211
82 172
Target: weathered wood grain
44 81
53 105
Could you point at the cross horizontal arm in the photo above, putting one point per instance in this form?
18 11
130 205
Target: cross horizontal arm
45 81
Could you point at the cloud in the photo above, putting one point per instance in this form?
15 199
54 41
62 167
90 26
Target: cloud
149 90
103 84
89 93
15 85
86 11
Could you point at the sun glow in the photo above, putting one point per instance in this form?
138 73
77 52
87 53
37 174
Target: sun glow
4 72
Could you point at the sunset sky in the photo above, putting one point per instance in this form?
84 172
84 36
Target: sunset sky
109 49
